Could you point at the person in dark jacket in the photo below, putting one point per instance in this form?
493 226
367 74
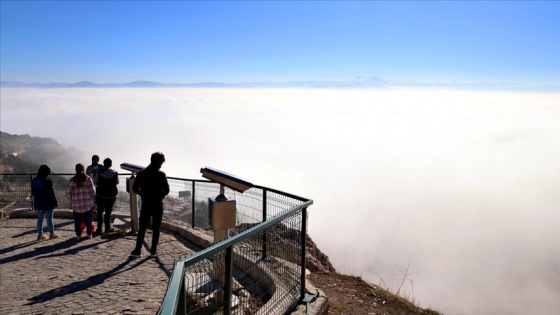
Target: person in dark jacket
106 194
152 186
44 201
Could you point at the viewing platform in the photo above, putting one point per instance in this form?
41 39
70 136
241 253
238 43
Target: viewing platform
243 254
90 276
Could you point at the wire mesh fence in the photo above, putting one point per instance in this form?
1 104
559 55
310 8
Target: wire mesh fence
15 190
258 270
253 206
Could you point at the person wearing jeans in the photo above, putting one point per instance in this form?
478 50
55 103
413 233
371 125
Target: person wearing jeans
147 212
152 186
47 215
83 217
44 201
80 191
106 195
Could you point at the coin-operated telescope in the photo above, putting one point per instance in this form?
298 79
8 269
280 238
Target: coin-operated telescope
222 209
134 169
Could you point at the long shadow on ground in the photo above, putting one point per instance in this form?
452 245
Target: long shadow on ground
74 250
50 250
57 226
84 284
39 251
16 247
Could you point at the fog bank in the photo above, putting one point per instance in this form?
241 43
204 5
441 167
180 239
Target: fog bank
463 185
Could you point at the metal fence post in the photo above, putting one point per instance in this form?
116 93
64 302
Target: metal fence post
228 281
303 251
182 303
264 237
192 203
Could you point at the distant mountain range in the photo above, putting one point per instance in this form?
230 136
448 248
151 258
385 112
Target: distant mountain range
360 82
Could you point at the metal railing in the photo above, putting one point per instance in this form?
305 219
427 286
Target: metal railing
184 193
260 270
238 276
16 189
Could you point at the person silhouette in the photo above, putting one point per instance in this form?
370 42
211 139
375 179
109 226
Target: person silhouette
152 187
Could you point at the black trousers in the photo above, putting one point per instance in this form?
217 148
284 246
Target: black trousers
104 205
147 212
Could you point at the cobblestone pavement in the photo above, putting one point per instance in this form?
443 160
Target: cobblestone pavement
91 276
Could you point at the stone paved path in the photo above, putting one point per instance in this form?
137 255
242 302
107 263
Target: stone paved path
92 276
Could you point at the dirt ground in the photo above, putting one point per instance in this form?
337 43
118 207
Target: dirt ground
352 295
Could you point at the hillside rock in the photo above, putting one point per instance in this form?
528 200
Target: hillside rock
287 240
317 261
24 153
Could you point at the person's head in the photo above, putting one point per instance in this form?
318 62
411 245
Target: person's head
80 169
43 171
80 176
107 163
95 159
157 159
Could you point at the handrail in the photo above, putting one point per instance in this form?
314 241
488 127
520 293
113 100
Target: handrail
177 178
175 291
203 254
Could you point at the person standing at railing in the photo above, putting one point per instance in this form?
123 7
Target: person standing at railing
44 201
106 194
152 186
81 191
93 171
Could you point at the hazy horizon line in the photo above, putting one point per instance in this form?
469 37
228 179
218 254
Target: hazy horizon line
358 82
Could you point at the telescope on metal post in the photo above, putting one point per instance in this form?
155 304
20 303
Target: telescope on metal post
133 197
221 214
222 196
222 210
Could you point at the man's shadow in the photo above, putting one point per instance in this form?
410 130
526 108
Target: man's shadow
74 250
17 246
84 284
57 226
50 250
37 252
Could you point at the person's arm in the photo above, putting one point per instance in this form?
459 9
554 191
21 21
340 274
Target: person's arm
69 188
92 187
165 185
52 195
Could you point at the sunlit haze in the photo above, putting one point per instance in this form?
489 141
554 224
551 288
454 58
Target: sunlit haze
464 185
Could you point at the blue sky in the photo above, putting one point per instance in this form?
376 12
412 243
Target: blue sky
189 41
